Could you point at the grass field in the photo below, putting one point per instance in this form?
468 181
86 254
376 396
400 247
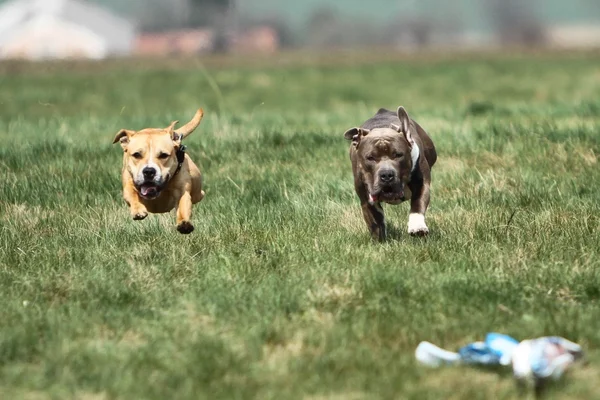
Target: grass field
280 293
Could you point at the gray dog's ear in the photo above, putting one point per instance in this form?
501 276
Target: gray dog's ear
404 126
355 134
404 119
123 137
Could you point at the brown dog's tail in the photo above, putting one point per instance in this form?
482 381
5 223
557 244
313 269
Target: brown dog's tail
192 125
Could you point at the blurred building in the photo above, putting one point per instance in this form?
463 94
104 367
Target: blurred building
260 39
175 42
54 29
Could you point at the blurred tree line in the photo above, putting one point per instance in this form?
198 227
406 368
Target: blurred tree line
157 15
223 16
514 21
333 23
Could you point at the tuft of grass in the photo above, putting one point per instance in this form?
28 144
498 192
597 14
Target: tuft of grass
279 293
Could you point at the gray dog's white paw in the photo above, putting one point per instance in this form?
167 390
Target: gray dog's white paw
416 225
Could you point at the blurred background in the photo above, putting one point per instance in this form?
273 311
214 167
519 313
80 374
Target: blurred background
97 29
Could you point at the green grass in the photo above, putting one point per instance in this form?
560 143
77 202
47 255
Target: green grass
280 293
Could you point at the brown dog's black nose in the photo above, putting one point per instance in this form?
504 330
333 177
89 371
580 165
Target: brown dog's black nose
387 175
149 173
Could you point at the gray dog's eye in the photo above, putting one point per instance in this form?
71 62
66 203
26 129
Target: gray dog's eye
370 158
399 155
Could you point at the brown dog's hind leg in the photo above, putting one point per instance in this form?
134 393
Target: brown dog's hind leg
418 206
197 192
197 196
375 220
184 214
136 208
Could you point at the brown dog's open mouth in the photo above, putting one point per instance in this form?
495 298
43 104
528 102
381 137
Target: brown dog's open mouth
149 191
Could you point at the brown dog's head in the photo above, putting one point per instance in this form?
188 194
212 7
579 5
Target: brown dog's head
385 158
150 155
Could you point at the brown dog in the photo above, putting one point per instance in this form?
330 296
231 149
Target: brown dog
391 159
157 174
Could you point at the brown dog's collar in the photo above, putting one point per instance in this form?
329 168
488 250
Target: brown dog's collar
180 158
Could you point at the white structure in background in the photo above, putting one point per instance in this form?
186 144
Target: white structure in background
575 36
50 29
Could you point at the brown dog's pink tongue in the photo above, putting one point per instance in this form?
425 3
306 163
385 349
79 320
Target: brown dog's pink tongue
372 198
146 189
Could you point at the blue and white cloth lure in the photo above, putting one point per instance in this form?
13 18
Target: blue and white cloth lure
537 359
495 350
545 357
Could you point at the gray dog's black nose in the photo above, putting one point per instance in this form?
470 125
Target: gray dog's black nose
387 175
149 173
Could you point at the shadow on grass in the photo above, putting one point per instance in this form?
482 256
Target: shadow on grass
397 234
540 389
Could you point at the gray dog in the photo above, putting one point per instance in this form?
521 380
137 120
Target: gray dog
391 159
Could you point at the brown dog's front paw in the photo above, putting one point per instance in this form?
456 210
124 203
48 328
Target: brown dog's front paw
137 216
185 227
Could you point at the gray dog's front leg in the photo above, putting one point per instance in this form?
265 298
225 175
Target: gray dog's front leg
375 220
418 207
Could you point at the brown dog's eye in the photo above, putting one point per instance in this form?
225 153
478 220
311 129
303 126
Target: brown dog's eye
162 156
137 155
370 158
399 155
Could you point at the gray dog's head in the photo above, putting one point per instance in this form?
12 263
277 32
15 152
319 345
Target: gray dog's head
385 158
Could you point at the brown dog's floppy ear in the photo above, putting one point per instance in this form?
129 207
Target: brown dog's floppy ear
188 128
355 134
404 126
123 137
171 127
176 137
